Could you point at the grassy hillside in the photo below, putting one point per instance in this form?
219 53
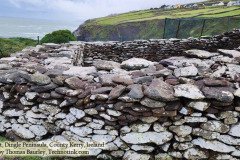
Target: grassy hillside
12 45
150 23
145 15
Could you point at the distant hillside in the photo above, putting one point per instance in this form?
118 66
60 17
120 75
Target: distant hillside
147 24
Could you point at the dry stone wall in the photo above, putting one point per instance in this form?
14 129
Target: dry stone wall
182 107
157 49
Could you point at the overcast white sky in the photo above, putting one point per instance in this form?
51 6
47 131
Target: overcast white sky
77 9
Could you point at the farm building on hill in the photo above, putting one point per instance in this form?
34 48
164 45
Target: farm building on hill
193 6
233 3
219 4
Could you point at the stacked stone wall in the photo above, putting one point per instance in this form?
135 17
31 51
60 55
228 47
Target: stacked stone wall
181 107
158 49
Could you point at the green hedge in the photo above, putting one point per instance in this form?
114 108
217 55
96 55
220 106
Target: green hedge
60 36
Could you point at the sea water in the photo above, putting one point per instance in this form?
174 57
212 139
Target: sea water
32 28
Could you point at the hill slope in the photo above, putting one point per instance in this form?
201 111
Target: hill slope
147 24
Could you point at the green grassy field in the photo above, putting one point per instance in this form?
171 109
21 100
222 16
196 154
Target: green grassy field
12 45
145 15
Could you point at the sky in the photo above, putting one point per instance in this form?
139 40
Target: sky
76 9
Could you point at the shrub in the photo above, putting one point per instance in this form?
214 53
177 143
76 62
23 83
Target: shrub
60 36
12 45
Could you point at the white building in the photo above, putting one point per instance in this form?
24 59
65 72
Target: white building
219 4
169 7
233 3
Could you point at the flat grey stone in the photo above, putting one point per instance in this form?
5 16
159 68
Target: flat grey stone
22 131
188 91
160 90
147 137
